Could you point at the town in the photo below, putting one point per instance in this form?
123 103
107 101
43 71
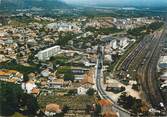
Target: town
84 66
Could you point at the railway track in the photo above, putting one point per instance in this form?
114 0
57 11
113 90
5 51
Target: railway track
147 52
129 59
147 75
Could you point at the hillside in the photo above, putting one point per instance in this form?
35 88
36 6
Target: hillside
24 4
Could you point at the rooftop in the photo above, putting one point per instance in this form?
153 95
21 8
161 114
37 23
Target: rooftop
110 114
7 72
104 102
53 107
88 78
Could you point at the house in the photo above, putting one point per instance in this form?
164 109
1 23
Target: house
105 105
35 91
45 73
57 83
86 83
88 80
52 109
30 87
10 76
81 90
163 62
110 114
163 77
2 58
31 75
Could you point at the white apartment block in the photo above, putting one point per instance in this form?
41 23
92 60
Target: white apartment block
113 43
123 42
47 53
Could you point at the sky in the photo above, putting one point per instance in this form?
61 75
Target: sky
119 2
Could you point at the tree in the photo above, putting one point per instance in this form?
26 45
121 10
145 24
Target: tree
135 87
98 110
32 104
130 103
12 99
69 76
72 92
88 108
65 109
9 98
90 92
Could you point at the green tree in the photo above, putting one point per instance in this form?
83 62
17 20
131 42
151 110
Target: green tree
65 109
98 110
69 76
9 98
90 92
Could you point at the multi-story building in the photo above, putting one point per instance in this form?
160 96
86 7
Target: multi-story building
47 53
113 44
63 27
123 42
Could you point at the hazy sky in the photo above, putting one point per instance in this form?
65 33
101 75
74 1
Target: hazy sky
120 2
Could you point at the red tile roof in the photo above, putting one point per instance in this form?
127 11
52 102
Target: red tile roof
35 91
110 114
104 102
52 107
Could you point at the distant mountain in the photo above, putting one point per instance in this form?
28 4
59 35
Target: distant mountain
23 4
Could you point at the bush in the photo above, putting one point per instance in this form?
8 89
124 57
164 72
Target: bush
135 87
69 77
90 92
130 103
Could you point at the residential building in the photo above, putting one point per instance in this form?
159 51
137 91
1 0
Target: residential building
163 62
57 83
62 27
47 53
30 87
11 76
105 105
86 83
81 90
52 109
123 42
113 44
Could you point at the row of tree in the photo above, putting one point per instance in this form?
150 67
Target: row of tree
13 99
146 29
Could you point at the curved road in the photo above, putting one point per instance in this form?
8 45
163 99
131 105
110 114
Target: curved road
98 76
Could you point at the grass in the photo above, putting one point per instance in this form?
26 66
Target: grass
74 102
63 69
16 114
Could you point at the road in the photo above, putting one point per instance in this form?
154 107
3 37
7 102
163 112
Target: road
98 76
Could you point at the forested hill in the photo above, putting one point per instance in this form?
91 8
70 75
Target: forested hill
24 4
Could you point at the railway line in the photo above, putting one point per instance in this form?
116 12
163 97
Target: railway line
147 76
140 47
143 59
146 56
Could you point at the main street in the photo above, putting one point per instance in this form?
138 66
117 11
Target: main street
122 112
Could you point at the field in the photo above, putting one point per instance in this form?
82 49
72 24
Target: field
74 102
